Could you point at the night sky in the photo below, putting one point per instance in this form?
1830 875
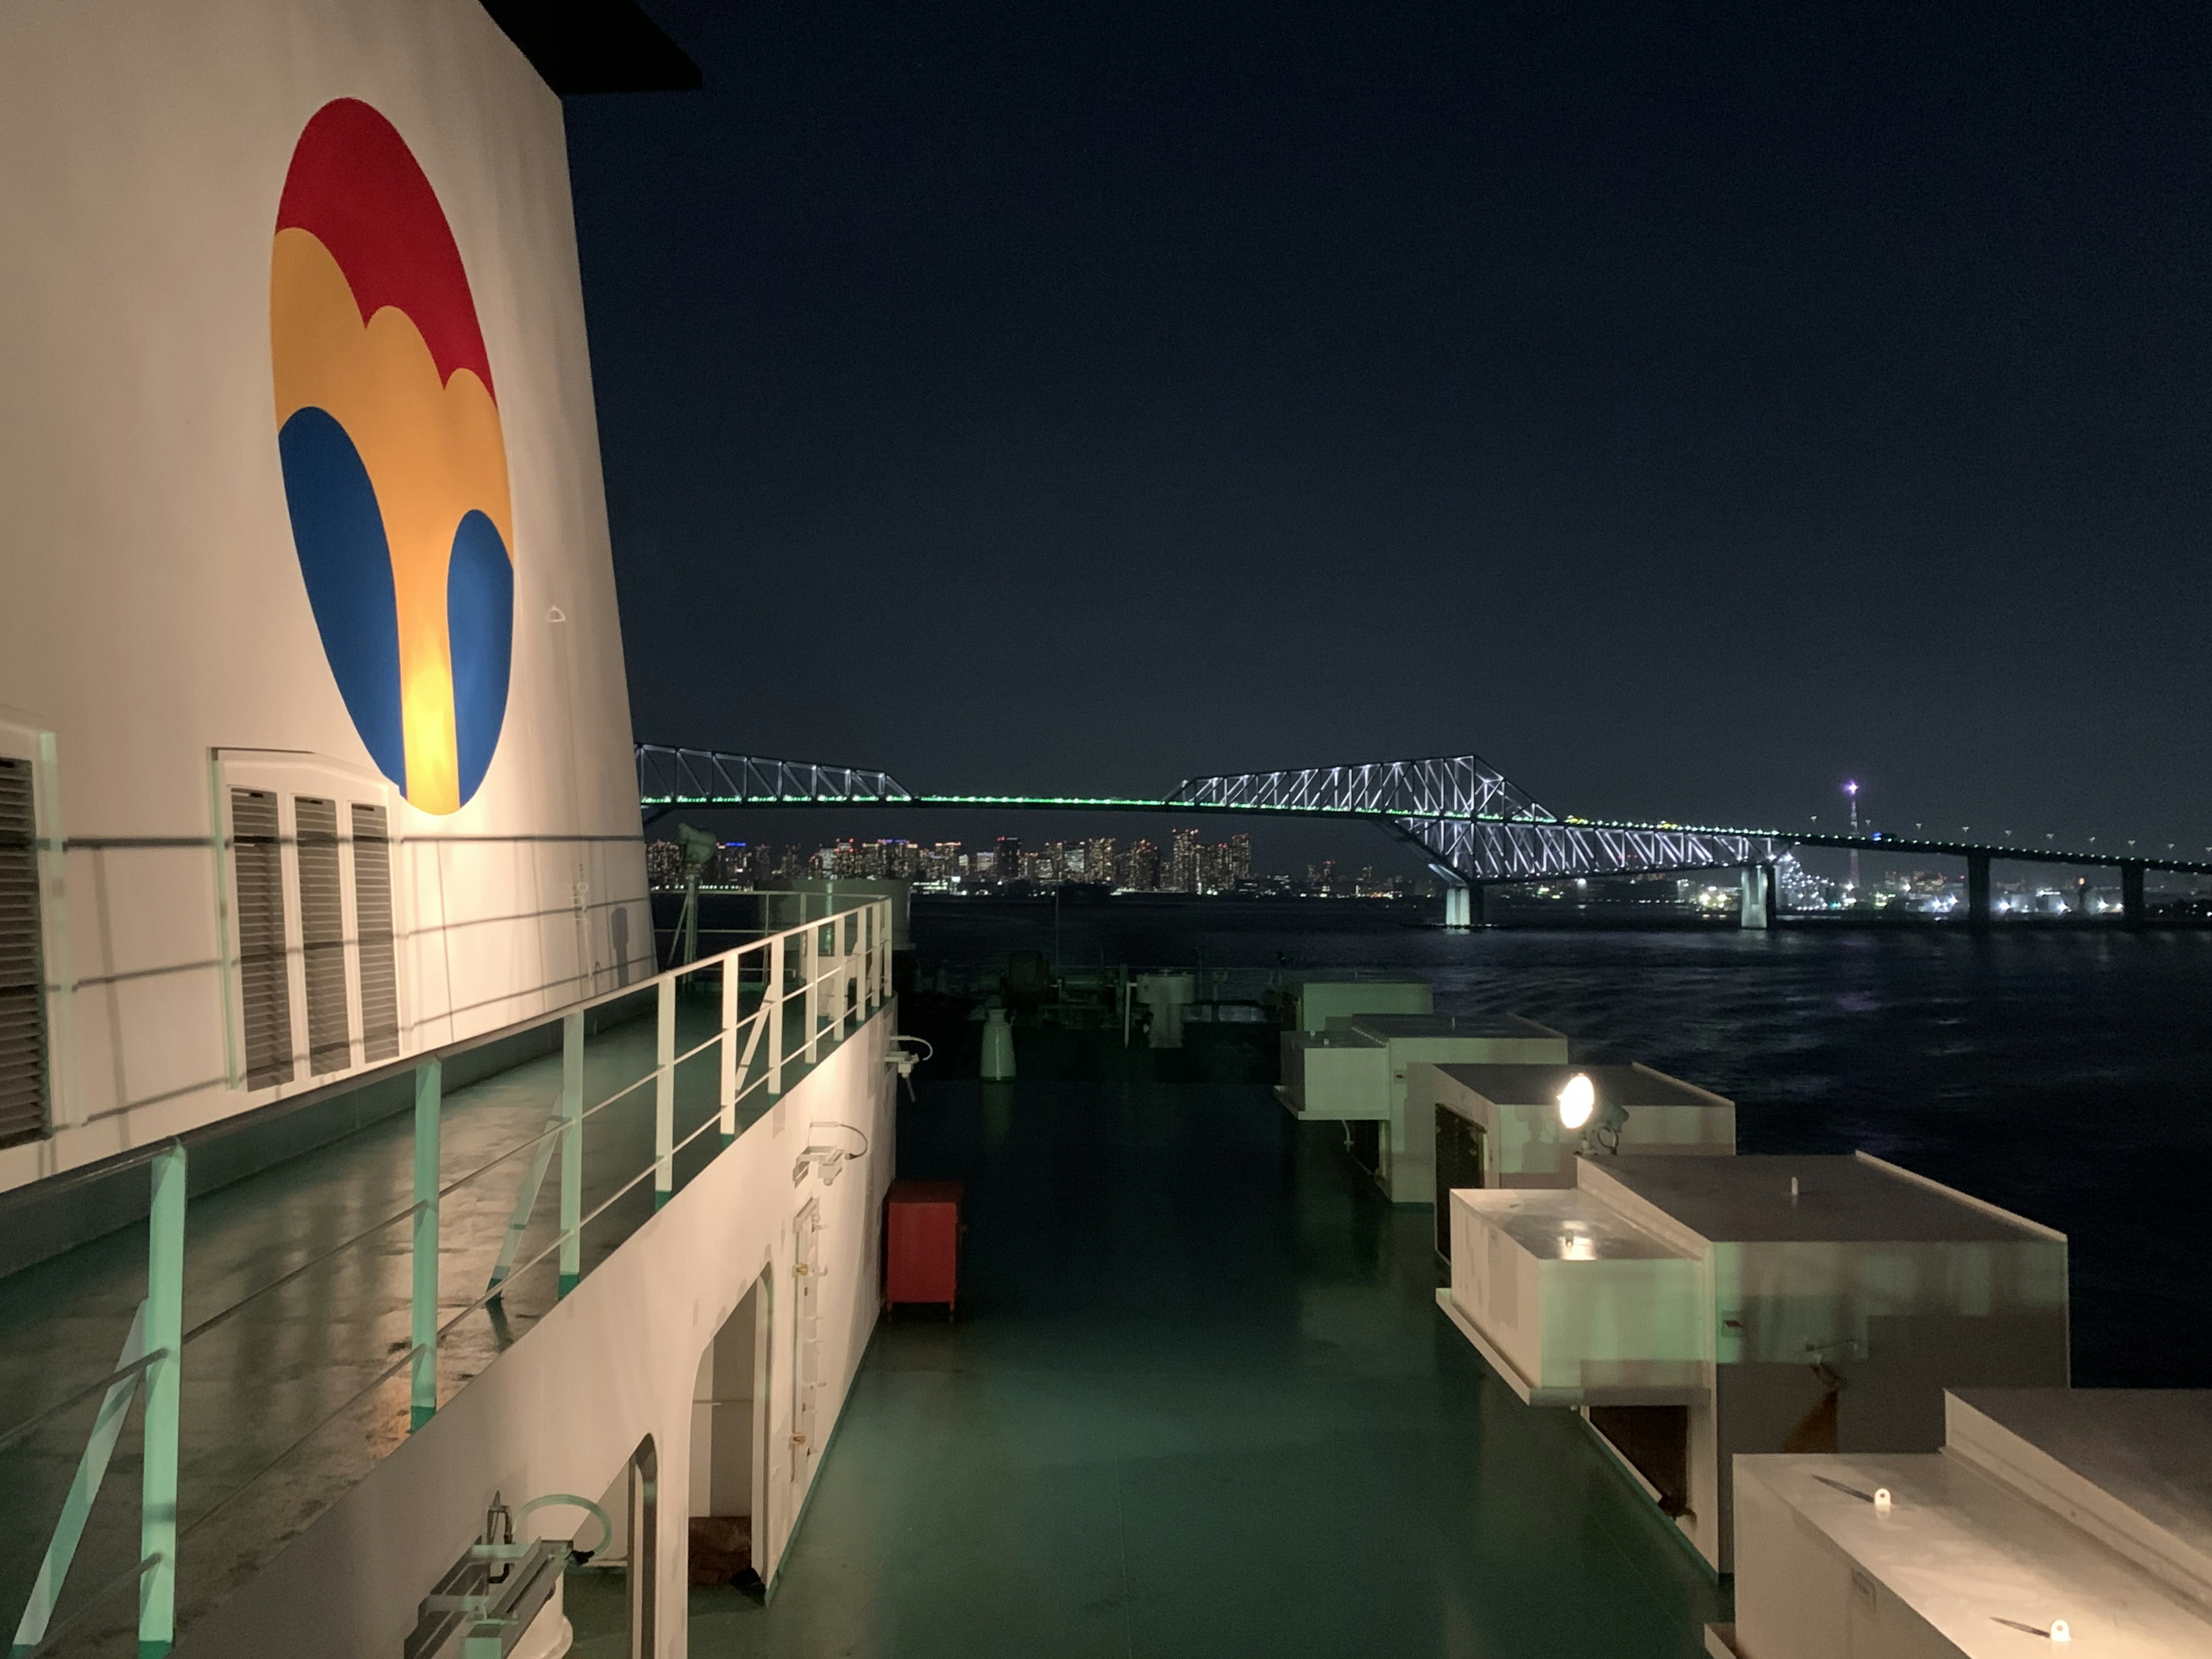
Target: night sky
1685 408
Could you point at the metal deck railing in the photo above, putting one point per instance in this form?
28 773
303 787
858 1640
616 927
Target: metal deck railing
785 997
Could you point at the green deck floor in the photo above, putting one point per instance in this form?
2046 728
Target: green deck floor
1199 1402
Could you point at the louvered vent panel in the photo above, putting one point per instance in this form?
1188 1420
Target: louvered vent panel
22 977
265 996
322 935
372 912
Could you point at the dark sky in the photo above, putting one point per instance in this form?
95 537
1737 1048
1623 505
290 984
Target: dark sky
1684 408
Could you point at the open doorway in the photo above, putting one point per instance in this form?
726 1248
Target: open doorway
729 1455
1459 1163
611 1600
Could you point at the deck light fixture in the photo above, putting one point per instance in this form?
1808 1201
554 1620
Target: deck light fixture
1576 1101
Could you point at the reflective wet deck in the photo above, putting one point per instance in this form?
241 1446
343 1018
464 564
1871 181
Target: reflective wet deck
1199 1402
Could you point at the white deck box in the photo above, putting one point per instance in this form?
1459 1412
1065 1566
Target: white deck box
1357 1070
1838 1298
1406 1168
1576 1302
1319 999
2090 1506
1334 1075
1498 1126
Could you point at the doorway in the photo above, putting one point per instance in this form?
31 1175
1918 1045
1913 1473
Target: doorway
728 1538
1459 1163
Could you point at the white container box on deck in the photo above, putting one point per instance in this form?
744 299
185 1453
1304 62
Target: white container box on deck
1836 1298
1498 1126
1356 1070
1319 999
1334 1075
2091 1507
1576 1303
1406 1164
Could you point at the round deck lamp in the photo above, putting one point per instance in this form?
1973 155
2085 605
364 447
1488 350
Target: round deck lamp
1577 1101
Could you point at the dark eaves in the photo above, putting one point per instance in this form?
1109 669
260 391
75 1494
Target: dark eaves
595 45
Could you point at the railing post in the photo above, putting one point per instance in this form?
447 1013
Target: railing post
849 979
731 974
772 1011
165 1331
84 1493
664 1098
572 1152
885 933
422 1329
811 963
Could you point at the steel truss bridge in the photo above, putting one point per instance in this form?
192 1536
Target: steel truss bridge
1475 826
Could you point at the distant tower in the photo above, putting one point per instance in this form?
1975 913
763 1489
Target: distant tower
1851 789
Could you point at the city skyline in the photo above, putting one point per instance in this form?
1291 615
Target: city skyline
1189 865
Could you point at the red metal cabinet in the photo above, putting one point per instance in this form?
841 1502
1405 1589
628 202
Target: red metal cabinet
921 1243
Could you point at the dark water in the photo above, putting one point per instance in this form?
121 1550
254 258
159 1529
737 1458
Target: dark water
2067 1076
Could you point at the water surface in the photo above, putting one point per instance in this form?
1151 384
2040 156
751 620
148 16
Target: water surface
2063 1075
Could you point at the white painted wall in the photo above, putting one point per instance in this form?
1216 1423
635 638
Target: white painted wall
563 1409
152 609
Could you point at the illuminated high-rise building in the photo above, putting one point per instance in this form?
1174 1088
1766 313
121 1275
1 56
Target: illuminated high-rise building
1098 861
1140 867
1182 860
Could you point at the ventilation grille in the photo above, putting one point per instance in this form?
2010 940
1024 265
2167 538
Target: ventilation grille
372 911
22 978
264 997
322 935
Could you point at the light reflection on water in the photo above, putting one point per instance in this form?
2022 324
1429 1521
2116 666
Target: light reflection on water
2066 1076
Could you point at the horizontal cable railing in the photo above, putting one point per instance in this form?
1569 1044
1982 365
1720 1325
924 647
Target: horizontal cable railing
785 997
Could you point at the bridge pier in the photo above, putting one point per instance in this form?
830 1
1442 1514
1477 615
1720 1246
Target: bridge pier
1978 889
2132 910
1462 906
1758 888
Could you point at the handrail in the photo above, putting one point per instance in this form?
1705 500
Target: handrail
857 954
283 1105
563 1237
87 1392
553 1130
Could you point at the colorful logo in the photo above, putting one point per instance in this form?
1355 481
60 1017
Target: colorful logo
394 468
